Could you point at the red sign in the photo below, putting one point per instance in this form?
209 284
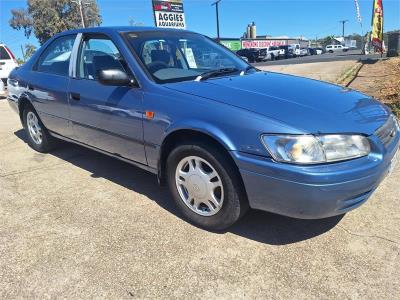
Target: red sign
259 44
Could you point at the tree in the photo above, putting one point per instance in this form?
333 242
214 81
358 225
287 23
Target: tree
29 51
21 20
49 17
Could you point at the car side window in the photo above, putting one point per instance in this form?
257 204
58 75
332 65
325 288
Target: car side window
3 53
99 54
55 58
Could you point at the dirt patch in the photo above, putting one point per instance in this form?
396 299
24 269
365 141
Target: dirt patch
381 80
326 71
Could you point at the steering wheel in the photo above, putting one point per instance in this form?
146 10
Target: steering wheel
156 66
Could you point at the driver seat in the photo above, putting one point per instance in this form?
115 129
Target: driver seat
160 56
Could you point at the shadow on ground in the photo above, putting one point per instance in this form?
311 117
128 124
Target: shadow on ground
256 225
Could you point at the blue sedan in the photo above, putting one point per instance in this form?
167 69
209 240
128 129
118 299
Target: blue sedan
223 135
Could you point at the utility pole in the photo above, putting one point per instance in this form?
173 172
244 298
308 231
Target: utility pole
217 13
23 53
80 4
343 22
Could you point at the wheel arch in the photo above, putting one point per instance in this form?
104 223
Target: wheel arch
22 103
174 138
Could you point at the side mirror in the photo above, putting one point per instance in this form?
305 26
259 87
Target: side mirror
114 77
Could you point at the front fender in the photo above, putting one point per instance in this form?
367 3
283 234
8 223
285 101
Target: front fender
206 128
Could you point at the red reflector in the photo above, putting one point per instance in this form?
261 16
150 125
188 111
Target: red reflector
149 114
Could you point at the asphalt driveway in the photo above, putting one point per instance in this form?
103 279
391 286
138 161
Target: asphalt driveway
77 224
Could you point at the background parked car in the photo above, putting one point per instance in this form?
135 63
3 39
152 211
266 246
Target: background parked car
314 51
303 52
285 51
7 63
296 49
253 55
336 48
244 58
273 52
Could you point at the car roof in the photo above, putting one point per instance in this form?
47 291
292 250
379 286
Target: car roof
113 29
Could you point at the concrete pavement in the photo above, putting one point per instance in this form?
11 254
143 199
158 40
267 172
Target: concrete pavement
77 224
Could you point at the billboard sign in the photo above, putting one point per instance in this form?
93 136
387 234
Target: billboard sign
233 45
169 14
260 44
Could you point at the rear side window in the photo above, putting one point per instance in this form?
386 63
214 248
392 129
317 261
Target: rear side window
55 59
3 53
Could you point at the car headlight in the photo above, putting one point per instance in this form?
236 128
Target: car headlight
310 149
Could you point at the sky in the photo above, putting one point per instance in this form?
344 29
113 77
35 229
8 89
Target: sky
308 18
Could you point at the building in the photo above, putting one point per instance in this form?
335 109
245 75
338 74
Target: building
235 44
268 41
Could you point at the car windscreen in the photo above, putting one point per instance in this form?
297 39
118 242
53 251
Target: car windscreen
178 56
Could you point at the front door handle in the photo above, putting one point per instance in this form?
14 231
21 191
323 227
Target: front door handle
75 96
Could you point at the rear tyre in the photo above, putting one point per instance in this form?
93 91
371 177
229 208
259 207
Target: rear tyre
205 186
38 137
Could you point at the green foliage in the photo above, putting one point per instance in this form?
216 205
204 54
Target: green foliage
395 107
29 51
49 17
20 61
326 40
21 20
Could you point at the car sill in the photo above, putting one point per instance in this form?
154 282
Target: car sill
114 155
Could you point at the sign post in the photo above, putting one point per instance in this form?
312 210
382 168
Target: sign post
169 14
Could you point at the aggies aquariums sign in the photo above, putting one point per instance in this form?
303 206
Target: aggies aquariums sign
169 14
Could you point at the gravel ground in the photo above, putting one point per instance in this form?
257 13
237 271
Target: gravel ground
77 224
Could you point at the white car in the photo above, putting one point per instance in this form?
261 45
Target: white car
303 52
336 48
273 52
296 49
7 64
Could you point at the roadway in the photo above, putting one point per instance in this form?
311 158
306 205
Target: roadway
326 57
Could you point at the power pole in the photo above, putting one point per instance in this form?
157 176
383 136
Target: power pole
217 13
343 22
80 4
23 53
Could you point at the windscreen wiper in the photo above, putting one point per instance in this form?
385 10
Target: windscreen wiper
248 68
214 73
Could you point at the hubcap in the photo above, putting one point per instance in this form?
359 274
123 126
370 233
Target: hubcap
199 186
35 131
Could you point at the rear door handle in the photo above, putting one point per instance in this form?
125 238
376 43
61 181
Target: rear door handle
75 96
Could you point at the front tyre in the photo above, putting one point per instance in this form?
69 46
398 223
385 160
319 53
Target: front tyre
205 186
38 137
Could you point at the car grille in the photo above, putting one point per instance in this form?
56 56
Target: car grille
388 131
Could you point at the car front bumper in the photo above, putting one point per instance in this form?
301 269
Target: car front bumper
314 192
13 103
